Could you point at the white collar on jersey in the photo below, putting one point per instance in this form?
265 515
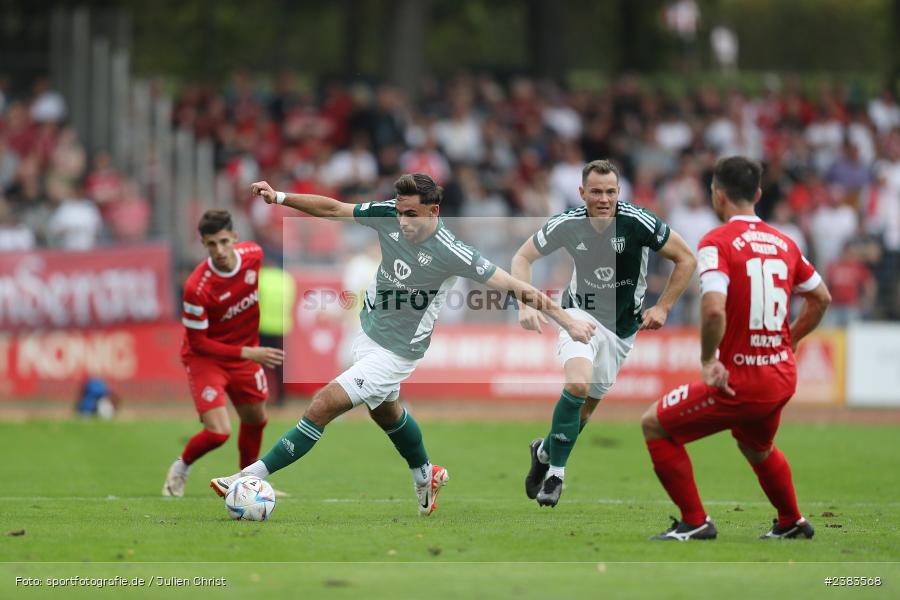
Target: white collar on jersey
231 273
744 218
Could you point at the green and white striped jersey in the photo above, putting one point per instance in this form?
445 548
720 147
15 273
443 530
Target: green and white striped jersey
609 278
402 304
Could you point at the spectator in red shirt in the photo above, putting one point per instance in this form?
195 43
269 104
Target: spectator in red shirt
852 288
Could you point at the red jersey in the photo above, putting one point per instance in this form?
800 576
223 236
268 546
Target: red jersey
761 268
220 311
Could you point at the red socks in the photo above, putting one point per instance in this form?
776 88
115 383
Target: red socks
673 467
249 442
202 443
774 475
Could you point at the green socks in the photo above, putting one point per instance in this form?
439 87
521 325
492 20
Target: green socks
293 444
407 438
564 428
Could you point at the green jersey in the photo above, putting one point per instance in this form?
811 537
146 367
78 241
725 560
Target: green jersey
402 304
609 278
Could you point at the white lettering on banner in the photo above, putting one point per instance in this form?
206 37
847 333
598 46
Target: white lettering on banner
681 353
648 354
72 355
814 363
28 297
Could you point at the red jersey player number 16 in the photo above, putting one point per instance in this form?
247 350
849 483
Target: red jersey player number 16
220 351
748 272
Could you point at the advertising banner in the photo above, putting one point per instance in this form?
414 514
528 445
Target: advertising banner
52 289
873 368
140 362
501 361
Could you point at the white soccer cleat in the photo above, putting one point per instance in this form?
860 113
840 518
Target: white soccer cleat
174 485
428 493
220 485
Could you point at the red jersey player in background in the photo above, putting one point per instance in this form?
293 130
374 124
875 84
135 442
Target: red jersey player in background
748 271
221 351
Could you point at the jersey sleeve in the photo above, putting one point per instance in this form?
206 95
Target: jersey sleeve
193 311
196 322
549 238
712 255
806 278
467 262
377 215
654 231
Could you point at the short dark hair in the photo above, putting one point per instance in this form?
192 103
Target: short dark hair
419 184
603 167
739 177
214 221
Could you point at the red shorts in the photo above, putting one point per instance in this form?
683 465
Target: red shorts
244 382
694 411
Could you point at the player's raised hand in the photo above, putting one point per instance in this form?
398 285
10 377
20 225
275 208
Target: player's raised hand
530 318
654 318
262 188
715 374
267 357
580 331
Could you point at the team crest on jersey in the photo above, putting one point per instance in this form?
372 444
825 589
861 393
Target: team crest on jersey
618 244
209 393
250 277
395 236
401 269
424 259
604 273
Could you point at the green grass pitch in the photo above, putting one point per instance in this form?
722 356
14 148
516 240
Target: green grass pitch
87 496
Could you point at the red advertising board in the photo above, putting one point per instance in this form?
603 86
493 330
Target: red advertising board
504 362
140 362
466 361
52 289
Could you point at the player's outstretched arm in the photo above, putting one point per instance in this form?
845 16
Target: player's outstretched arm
815 304
712 330
676 250
529 318
526 293
311 204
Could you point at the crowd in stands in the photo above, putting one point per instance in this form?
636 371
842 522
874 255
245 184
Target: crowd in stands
500 149
52 194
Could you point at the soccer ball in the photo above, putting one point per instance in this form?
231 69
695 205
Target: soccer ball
250 499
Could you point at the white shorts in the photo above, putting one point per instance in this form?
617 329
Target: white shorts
376 374
606 351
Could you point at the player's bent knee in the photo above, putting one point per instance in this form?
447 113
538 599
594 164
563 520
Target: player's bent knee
754 457
579 389
386 414
327 404
650 425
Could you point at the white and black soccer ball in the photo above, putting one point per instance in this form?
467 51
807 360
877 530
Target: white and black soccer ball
250 499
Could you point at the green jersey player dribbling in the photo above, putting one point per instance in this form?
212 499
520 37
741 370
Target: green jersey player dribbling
609 240
420 260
